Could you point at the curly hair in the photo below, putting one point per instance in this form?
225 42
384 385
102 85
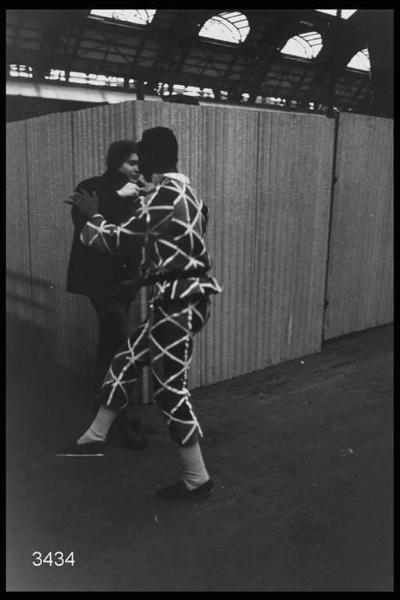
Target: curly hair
119 152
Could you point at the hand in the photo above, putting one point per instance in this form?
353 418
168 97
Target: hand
129 189
86 203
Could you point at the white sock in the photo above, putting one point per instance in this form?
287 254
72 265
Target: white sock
194 470
98 430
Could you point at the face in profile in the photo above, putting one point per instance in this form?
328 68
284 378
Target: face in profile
130 167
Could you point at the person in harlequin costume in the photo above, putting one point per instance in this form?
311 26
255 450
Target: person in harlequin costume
170 223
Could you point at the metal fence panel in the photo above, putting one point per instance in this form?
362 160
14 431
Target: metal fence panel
360 272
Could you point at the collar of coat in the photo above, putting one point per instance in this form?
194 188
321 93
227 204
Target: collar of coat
115 177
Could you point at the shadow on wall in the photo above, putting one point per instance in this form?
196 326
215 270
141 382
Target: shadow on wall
31 329
31 335
30 332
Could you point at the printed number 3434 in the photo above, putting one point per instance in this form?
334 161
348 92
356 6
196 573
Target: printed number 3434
57 559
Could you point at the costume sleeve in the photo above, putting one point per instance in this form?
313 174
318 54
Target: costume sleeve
148 219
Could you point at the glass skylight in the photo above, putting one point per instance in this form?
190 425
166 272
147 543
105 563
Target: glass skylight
227 27
345 12
360 61
138 16
305 45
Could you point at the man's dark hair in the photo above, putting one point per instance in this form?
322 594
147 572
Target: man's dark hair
119 152
157 151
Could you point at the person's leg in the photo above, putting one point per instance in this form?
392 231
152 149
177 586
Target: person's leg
114 393
118 320
171 344
113 332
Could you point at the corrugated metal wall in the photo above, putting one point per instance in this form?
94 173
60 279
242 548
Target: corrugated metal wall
18 282
266 177
50 175
360 273
295 167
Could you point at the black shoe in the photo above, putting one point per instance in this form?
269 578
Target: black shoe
82 450
178 491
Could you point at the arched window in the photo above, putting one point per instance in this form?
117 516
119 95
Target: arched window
305 45
227 27
345 13
360 61
138 17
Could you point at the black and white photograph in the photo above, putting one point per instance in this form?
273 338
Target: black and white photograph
199 300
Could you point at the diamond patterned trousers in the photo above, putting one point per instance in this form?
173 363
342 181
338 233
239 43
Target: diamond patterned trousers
164 341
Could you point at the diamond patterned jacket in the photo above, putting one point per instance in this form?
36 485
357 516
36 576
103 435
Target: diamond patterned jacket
171 222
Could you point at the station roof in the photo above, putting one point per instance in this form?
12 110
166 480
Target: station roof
167 48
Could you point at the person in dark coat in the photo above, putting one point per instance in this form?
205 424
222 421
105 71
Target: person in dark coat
96 275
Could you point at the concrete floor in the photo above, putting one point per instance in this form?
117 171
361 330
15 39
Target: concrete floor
302 459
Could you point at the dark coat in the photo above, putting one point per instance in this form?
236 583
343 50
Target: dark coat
90 272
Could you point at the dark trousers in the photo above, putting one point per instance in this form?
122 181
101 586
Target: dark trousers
113 332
